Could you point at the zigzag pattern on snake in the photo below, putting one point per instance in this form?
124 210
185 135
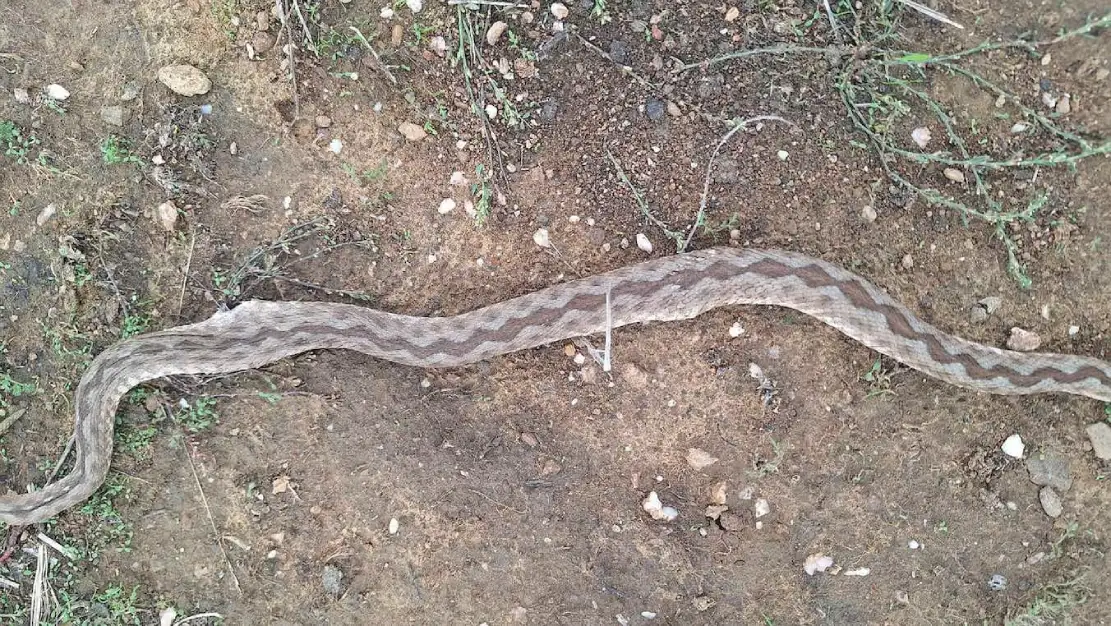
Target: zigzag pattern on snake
671 288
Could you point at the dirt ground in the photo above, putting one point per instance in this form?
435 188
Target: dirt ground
334 488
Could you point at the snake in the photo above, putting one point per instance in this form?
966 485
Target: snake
677 287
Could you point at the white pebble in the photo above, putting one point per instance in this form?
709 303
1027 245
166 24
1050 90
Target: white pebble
559 10
386 13
491 111
394 526
335 145
643 243
816 563
914 545
782 154
1013 446
657 510
921 136
447 205
760 508
57 92
415 5
458 178
541 238
860 571
736 330
1074 330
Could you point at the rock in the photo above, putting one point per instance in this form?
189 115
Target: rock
496 30
167 216
415 5
954 174
1051 502
921 136
184 80
56 92
47 213
644 243
655 109
130 92
868 214
447 205
332 579
113 115
1013 447
673 109
541 238
732 14
1049 469
411 131
1100 436
1023 340
560 11
262 42
22 96
323 121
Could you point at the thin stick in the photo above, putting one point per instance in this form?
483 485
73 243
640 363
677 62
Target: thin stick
197 616
11 419
833 23
290 46
928 12
609 331
64 551
305 25
61 460
38 595
212 522
709 169
185 272
382 66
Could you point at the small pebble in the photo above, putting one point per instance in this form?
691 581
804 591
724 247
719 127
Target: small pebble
1013 446
954 174
1099 434
394 526
496 30
869 214
816 563
167 216
921 136
332 579
447 205
655 109
1023 340
643 243
541 238
323 121
782 154
732 14
1051 502
998 582
415 5
184 80
560 11
760 507
57 92
411 131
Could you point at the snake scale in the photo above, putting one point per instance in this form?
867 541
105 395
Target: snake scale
670 288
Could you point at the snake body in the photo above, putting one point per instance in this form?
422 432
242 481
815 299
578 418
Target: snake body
671 288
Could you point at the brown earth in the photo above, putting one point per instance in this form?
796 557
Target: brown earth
517 484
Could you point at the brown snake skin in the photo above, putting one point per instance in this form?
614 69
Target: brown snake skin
671 288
